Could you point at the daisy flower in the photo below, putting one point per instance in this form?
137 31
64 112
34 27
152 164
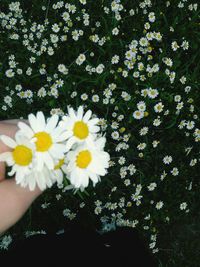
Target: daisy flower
21 158
60 167
138 114
24 163
79 128
42 179
159 107
87 162
46 136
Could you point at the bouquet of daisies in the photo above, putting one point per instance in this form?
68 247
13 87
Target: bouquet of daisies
45 151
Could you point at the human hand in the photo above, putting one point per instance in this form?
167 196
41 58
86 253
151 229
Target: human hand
14 199
8 129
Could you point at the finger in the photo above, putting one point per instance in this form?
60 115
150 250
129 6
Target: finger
9 130
15 121
2 171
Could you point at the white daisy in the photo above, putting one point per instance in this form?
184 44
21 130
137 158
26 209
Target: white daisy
42 179
60 167
152 93
21 158
87 162
24 163
167 159
159 107
138 114
141 106
79 128
47 138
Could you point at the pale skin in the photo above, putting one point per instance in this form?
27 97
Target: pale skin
14 199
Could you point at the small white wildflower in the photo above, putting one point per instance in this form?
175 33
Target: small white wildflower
138 114
174 171
151 17
144 131
174 46
81 58
167 159
55 28
158 107
159 205
5 242
152 186
183 206
10 73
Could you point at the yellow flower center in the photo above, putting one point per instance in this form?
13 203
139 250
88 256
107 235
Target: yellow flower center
83 159
43 142
22 155
80 130
60 163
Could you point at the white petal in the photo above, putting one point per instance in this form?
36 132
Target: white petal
95 167
57 132
93 177
84 179
64 136
41 181
56 152
71 166
41 120
93 121
89 141
12 172
25 129
105 157
69 187
78 182
71 113
80 113
10 161
67 125
19 177
73 176
5 156
22 182
65 118
20 138
70 125
51 124
48 182
34 123
32 182
48 179
59 177
70 143
39 160
87 116
64 168
8 141
61 147
71 155
100 143
94 129
48 161
19 174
